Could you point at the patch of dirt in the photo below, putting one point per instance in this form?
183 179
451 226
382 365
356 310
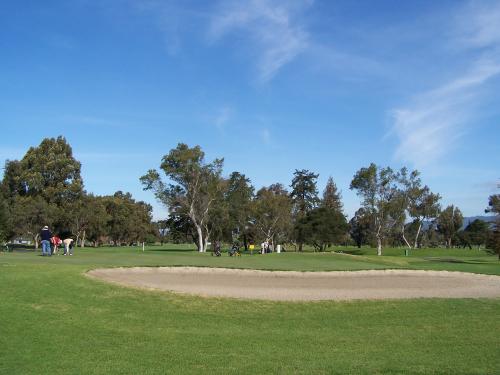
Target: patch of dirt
305 286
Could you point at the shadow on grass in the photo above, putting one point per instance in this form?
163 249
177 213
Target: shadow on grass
350 252
456 260
173 250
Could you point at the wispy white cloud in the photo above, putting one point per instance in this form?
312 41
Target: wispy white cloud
430 126
172 18
223 116
272 27
347 66
478 24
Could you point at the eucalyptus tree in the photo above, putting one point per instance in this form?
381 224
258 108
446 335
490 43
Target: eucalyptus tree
77 216
193 186
424 206
48 170
379 191
304 196
29 214
129 220
97 219
449 222
415 201
46 178
408 191
272 210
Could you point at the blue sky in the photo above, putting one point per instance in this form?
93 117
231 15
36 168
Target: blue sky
271 86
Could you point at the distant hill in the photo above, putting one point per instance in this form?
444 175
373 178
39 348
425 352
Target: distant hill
470 219
467 221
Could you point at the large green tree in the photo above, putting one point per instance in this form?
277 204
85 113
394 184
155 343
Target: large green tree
86 219
192 188
29 214
476 233
360 227
323 226
412 200
449 223
379 192
238 197
48 170
96 220
272 213
424 206
129 221
304 196
47 177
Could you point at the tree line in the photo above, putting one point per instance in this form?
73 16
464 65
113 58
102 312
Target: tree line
45 187
397 208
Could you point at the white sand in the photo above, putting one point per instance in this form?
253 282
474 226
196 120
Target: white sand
305 286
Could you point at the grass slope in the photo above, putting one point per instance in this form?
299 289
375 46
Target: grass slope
54 320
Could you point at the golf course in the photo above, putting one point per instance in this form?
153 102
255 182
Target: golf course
55 319
250 187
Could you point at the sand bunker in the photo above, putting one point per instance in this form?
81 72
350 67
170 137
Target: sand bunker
306 286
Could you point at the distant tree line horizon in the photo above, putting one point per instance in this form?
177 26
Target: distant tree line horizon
45 187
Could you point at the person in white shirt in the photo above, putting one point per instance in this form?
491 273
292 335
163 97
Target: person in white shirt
263 247
68 246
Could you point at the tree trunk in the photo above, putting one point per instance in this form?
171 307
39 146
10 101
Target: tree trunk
418 233
35 239
300 246
205 244
199 231
404 237
379 240
82 243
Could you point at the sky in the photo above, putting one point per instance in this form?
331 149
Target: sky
271 86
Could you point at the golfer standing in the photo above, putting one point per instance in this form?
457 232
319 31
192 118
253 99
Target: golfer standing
45 236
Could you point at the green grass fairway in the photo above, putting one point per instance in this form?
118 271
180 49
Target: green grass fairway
54 320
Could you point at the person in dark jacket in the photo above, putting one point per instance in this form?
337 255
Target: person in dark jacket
45 236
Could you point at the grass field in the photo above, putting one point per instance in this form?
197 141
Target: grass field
55 320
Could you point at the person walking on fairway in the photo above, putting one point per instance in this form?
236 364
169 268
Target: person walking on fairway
45 236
